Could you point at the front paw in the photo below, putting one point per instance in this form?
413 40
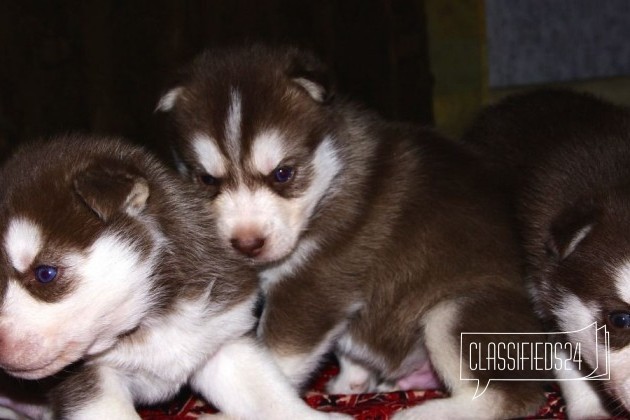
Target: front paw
352 381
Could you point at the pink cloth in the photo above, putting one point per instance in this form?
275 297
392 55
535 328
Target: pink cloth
421 378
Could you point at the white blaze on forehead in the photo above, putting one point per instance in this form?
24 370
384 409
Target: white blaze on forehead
622 282
267 151
22 242
233 126
209 156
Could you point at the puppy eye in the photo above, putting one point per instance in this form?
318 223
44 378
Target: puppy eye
45 273
208 179
619 319
283 174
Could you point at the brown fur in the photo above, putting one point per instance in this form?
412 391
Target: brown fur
74 188
408 223
565 157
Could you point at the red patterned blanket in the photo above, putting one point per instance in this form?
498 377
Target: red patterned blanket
379 406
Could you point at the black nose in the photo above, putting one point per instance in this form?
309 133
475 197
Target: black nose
248 246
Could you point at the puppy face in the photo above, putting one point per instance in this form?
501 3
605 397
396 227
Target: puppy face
74 259
254 132
589 282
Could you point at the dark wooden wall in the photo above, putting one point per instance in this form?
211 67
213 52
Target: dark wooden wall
100 66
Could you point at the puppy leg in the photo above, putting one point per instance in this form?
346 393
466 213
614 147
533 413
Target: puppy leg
509 399
96 392
583 402
299 366
244 383
302 321
353 378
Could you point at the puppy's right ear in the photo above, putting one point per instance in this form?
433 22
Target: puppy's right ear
168 101
110 188
571 228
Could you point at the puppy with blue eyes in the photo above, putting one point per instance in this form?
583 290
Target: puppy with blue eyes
565 157
114 287
378 241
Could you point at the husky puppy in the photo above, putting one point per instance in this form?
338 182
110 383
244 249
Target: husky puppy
112 278
378 241
566 158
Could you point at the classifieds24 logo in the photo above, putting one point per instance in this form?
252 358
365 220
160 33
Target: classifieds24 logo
553 356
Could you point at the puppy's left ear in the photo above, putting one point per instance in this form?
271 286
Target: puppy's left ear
312 75
111 188
571 228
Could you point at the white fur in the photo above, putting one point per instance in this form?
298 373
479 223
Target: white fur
209 156
22 242
299 257
620 358
621 278
315 90
193 333
574 316
458 406
353 378
243 368
579 236
267 151
233 126
196 341
168 101
443 345
259 212
328 165
47 336
359 351
583 402
114 399
620 374
234 373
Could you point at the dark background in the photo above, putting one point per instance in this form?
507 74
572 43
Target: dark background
101 66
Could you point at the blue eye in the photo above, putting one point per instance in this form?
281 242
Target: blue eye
619 319
208 179
283 174
45 273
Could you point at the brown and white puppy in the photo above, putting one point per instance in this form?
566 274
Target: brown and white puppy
112 278
376 240
566 158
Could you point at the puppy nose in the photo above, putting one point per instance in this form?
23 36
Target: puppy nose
250 246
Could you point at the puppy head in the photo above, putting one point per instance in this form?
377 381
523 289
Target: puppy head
587 281
76 253
254 129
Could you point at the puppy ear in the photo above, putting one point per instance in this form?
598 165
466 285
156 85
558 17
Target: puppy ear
108 189
168 101
311 75
571 228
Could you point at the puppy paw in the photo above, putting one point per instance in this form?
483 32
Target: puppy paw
358 381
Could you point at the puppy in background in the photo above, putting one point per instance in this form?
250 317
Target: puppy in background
376 240
565 156
113 280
